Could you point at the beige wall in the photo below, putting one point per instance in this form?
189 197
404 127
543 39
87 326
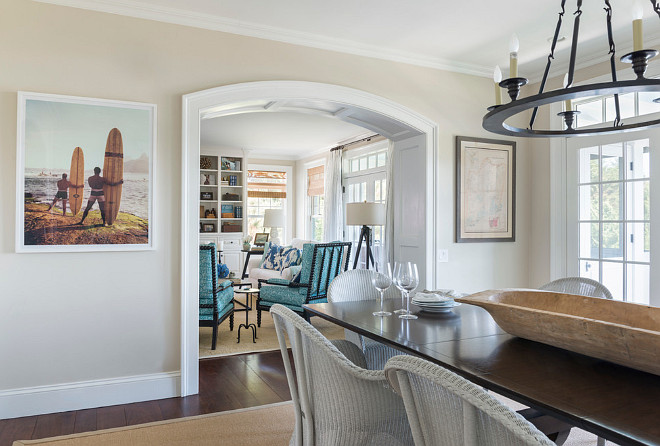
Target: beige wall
73 317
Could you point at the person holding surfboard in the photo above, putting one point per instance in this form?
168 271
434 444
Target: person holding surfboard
62 188
96 182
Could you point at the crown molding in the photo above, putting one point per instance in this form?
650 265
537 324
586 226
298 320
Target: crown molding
177 16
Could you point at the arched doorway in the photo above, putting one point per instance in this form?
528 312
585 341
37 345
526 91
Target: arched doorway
417 138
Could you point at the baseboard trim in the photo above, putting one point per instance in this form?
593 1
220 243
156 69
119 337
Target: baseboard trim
88 394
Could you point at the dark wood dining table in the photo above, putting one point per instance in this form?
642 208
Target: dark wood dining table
615 402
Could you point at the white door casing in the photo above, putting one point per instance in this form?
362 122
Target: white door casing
355 106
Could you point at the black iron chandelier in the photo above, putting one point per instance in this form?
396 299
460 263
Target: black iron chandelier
495 119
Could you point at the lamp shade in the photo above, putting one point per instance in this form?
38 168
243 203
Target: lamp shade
370 214
274 218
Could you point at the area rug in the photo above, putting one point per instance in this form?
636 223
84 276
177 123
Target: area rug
266 336
269 425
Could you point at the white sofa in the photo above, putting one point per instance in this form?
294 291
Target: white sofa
255 273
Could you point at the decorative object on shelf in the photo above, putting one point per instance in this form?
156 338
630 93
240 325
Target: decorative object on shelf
206 195
228 226
260 238
208 227
494 121
228 164
365 214
210 213
485 190
237 164
246 242
85 140
231 197
202 178
205 162
209 179
227 211
274 219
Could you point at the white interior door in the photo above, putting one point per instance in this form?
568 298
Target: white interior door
410 204
610 197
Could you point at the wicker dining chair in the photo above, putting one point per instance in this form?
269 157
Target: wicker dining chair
445 409
581 286
578 285
336 400
355 285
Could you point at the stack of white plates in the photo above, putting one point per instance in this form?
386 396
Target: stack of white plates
435 302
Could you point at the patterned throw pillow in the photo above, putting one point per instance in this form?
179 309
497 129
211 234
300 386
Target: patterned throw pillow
271 257
289 256
281 257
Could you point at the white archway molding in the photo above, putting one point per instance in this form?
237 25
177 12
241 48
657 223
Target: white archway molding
195 104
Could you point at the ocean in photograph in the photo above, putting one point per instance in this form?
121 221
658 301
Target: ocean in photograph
42 184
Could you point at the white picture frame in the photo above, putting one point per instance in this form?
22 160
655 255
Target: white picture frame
49 129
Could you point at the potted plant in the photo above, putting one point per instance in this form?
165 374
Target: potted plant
246 242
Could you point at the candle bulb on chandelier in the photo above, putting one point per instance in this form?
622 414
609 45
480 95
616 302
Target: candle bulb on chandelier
497 78
514 45
568 105
638 35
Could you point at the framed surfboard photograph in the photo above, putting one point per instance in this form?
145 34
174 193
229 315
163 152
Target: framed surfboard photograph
85 174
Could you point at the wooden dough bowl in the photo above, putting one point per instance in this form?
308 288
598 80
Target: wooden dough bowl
620 332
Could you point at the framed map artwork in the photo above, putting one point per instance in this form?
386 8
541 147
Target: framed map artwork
485 190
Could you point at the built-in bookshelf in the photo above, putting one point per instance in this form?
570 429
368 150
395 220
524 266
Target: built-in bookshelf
222 194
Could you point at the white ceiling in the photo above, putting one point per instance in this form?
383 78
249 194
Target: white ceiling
293 128
469 36
286 134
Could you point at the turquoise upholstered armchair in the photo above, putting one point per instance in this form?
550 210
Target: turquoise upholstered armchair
321 263
216 300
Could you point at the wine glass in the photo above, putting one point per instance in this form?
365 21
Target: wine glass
409 279
382 282
395 281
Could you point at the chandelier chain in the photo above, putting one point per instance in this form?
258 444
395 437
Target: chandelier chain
574 44
608 11
551 57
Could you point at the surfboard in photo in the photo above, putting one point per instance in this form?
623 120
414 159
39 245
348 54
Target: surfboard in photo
113 172
77 180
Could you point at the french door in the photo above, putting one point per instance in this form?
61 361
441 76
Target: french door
372 188
610 197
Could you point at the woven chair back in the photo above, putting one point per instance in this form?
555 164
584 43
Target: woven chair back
445 409
336 400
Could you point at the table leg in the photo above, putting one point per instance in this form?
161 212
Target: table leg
247 324
247 260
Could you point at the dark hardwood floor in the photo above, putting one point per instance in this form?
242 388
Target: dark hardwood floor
232 382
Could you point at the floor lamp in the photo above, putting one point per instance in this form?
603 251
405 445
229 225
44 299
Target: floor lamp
365 215
274 219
